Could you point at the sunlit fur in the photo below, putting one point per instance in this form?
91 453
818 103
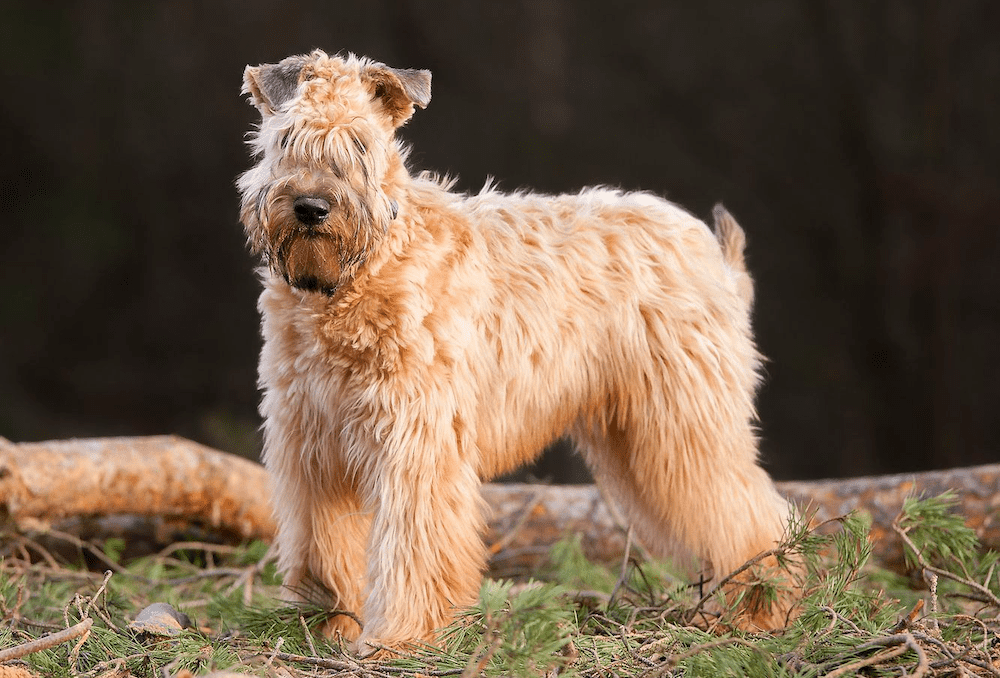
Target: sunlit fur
328 144
454 341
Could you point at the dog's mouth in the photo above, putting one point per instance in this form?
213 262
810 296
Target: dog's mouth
308 262
310 283
308 233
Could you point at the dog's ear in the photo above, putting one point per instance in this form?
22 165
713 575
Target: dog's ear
399 90
271 85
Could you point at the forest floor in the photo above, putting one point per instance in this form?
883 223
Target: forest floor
73 607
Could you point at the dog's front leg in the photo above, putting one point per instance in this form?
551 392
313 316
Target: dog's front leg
425 553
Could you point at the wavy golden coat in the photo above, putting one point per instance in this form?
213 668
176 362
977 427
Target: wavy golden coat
418 341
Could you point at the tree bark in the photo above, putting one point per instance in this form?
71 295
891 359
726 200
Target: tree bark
163 476
175 478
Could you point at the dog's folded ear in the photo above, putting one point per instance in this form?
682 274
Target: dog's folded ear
399 90
271 85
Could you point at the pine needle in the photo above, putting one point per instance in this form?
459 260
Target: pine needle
854 617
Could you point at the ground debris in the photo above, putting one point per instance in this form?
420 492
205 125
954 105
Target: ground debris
577 618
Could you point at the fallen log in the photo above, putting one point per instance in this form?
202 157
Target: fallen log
171 477
165 476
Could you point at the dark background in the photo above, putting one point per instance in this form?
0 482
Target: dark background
856 142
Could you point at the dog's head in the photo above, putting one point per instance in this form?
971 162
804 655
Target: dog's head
321 194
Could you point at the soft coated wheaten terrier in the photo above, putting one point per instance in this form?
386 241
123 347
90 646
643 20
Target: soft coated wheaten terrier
418 341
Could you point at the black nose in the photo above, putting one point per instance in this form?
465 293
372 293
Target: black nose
311 211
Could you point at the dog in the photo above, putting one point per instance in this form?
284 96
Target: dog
418 341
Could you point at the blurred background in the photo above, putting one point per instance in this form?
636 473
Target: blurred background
856 142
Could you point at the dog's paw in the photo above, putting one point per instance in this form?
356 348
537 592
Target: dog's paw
376 650
341 626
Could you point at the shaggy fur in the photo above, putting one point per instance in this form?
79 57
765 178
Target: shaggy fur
418 342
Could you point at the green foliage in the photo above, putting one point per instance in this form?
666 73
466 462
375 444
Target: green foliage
520 633
635 620
937 532
569 566
252 553
734 660
114 547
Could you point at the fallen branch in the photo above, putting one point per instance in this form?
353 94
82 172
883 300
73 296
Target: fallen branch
162 476
46 642
559 509
905 642
175 478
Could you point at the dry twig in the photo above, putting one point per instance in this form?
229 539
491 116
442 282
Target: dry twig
47 642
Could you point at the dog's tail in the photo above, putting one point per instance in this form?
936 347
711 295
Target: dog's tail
733 241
